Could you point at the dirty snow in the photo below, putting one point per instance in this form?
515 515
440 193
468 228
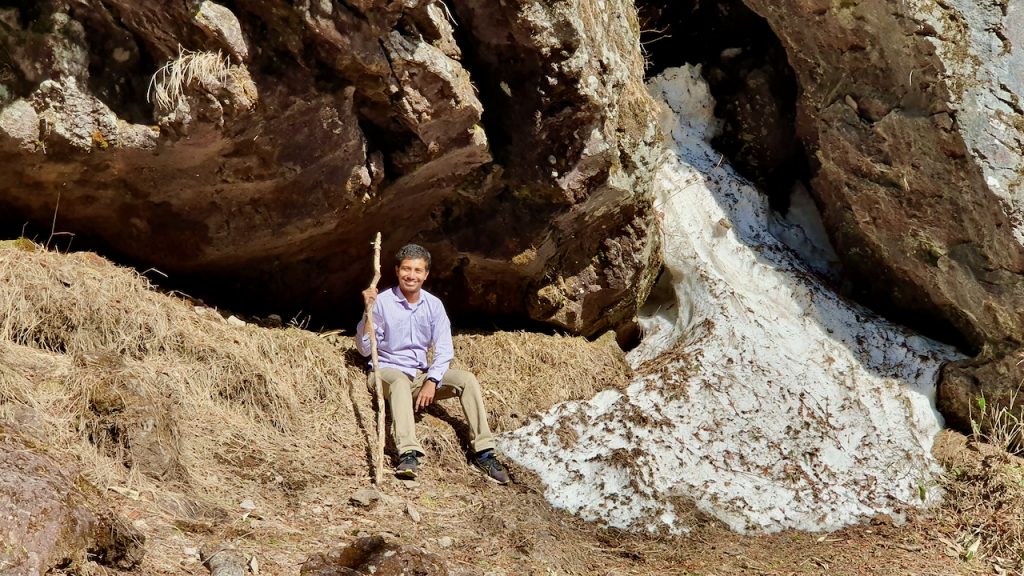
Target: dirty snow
760 397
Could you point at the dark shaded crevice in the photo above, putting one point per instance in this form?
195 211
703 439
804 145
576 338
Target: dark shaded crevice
488 88
120 68
747 71
279 49
10 77
282 52
20 32
30 12
402 150
532 110
228 293
515 91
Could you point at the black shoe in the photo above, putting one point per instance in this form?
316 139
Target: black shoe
487 463
407 464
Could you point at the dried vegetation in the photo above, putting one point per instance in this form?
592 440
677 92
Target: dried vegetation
211 72
984 509
169 406
180 416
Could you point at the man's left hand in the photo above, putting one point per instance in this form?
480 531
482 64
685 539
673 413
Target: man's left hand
426 396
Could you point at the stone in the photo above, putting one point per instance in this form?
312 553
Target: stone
71 118
20 123
47 520
365 497
223 559
374 555
221 23
890 172
437 101
413 513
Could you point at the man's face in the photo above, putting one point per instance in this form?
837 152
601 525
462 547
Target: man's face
412 272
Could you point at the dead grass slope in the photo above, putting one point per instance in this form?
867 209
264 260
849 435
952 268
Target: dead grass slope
179 417
170 406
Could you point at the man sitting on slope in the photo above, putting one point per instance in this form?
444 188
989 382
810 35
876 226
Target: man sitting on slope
408 321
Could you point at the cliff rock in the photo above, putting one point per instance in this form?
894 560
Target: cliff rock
254 151
911 117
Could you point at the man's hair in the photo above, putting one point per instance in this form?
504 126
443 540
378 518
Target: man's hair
412 252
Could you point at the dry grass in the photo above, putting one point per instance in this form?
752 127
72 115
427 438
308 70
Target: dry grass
1001 424
180 416
527 373
210 71
984 504
142 389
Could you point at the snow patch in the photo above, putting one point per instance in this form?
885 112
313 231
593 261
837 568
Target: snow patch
760 396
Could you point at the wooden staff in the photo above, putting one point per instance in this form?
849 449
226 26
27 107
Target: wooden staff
379 388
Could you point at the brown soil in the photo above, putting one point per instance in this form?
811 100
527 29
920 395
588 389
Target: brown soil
511 530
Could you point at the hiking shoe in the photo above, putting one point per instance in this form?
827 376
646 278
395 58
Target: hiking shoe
489 465
407 464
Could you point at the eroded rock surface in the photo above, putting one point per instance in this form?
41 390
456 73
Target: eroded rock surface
258 146
46 520
913 128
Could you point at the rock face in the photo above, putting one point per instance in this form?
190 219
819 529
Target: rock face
46 520
911 116
257 149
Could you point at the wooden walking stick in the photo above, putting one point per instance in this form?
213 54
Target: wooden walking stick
379 469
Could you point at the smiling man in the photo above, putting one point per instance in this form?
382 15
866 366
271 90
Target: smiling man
408 320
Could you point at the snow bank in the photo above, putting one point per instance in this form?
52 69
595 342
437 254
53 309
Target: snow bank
761 397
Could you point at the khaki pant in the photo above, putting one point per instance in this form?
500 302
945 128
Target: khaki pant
401 393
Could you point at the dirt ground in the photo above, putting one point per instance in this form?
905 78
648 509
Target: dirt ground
478 527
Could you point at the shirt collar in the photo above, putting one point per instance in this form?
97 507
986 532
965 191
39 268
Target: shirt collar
404 301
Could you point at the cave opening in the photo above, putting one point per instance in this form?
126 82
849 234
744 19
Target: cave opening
754 87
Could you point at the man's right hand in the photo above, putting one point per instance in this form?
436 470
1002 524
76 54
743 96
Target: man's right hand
369 296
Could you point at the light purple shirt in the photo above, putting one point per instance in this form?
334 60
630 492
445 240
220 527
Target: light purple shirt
405 331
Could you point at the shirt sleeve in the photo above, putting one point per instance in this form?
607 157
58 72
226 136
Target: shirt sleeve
363 340
442 340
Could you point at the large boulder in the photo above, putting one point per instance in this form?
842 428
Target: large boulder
49 517
911 116
252 151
